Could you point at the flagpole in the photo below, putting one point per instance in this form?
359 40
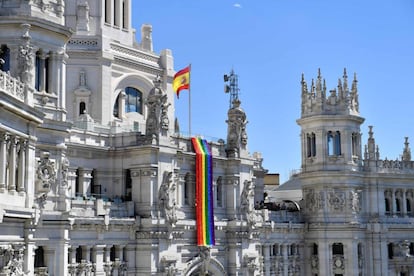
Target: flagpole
189 102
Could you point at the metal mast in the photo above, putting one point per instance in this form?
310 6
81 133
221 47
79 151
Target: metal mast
232 86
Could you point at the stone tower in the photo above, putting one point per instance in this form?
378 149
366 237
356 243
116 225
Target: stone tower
330 126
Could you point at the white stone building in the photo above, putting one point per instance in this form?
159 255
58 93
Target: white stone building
96 179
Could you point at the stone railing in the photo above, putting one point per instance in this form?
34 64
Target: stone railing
12 86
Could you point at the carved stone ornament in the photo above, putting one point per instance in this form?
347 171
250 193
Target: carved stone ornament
336 200
11 259
46 173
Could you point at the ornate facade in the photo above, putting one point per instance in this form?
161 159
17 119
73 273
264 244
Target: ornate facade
95 179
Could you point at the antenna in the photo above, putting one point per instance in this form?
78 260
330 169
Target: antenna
231 86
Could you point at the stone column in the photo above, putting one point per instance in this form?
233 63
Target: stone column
61 252
285 256
22 167
30 172
85 181
266 261
51 260
121 105
404 204
324 256
351 257
233 198
12 165
130 256
72 254
3 160
29 251
393 204
144 191
98 259
234 257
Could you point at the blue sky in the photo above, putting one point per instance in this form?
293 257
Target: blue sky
269 44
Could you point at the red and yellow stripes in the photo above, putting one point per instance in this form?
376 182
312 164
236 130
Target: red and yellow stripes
204 192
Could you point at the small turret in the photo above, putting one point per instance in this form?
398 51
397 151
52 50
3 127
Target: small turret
331 138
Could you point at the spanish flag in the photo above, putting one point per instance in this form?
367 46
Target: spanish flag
181 80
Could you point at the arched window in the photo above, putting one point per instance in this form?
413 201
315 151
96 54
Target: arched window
82 108
133 102
4 58
398 206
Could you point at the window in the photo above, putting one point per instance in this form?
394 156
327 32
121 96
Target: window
334 143
77 182
315 249
133 100
355 144
398 206
39 257
79 254
128 185
124 15
41 72
408 203
337 249
390 250
187 189
4 58
112 254
219 195
82 108
115 13
311 144
359 251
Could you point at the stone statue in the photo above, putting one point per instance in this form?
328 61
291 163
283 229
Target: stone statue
247 198
355 201
166 198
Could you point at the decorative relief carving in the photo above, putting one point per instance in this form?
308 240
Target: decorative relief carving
336 200
11 257
26 56
46 173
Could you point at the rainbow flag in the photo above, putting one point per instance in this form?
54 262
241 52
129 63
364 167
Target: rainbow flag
204 192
